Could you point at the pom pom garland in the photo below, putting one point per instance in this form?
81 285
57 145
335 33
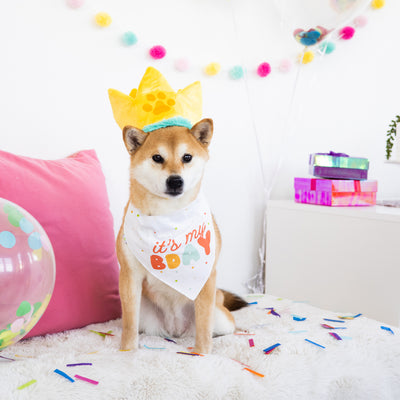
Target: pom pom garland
236 72
306 58
360 21
327 47
212 69
285 65
103 19
75 3
263 70
347 32
157 52
129 38
376 4
181 64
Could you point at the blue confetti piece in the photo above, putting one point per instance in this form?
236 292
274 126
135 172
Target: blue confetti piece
254 302
296 318
316 344
170 340
270 348
63 374
334 320
386 328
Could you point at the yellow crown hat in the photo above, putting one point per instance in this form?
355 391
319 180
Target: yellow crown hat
156 105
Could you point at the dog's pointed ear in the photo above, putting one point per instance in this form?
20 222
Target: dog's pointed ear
203 131
133 138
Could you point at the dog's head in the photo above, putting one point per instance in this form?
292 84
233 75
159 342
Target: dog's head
169 162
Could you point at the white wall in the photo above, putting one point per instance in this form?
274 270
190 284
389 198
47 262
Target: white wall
56 67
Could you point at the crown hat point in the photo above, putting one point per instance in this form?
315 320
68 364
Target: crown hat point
154 102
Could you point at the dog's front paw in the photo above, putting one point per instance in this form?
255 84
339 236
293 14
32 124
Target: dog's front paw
129 343
204 349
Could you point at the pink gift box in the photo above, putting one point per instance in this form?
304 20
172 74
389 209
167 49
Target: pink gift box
332 192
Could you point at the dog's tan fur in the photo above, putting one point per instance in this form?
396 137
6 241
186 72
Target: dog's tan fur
136 284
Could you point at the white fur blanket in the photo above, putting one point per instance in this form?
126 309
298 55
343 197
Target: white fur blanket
364 365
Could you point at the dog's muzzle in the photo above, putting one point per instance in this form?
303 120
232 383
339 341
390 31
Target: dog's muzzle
174 185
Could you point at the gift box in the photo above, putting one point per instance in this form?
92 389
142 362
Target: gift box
331 192
338 166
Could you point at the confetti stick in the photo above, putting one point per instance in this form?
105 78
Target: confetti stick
272 311
316 344
251 342
76 365
25 385
332 327
170 340
334 320
103 334
63 374
17 355
6 358
254 372
353 317
82 378
240 363
154 348
335 335
188 354
386 328
271 348
254 302
244 333
296 318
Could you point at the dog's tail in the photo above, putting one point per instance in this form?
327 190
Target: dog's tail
232 301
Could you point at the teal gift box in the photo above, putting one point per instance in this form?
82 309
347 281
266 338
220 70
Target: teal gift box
338 166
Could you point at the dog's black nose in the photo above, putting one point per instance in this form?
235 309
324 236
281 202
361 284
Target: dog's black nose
174 185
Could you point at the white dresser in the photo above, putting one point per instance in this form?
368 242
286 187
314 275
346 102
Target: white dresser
344 259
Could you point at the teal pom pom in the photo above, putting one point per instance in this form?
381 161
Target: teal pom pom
129 38
327 47
236 72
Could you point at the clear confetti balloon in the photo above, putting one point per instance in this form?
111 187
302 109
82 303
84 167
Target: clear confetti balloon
27 272
310 21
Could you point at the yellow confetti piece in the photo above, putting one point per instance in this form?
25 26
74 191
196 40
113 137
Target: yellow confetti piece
25 385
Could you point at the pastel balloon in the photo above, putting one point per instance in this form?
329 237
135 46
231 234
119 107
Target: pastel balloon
27 272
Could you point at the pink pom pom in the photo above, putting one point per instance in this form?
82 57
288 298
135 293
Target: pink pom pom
347 32
75 3
182 64
157 52
360 21
285 65
263 70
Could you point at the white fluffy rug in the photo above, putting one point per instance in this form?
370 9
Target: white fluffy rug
364 365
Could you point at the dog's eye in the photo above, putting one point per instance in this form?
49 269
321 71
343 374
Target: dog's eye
158 159
187 158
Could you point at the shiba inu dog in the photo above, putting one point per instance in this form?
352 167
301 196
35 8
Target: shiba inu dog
169 243
166 170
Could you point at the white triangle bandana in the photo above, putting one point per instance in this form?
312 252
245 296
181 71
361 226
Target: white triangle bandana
178 249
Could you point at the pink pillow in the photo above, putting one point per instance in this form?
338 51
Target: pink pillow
69 199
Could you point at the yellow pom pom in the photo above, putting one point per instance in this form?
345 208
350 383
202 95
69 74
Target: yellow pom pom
377 4
103 19
212 68
306 58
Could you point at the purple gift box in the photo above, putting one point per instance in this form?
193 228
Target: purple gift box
338 166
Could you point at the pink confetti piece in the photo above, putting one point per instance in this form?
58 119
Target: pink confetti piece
82 378
251 342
